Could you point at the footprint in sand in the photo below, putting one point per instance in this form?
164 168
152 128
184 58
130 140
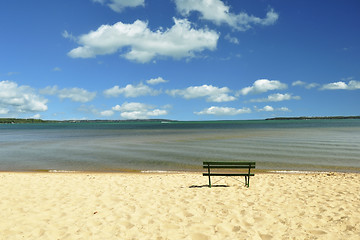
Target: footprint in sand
265 236
317 232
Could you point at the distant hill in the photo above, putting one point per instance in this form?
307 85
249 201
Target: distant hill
30 120
307 118
20 120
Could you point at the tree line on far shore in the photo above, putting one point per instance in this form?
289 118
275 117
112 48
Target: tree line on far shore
33 120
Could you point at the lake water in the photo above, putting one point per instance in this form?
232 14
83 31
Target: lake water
311 145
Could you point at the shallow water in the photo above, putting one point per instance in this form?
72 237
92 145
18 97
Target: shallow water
313 145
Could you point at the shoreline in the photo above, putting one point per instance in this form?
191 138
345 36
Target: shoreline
154 120
135 171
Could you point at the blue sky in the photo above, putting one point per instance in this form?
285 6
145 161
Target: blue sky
179 59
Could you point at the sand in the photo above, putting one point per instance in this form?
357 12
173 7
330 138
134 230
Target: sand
178 206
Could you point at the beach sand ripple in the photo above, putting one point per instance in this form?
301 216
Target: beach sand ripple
178 206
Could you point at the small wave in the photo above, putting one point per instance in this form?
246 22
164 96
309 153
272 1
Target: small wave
291 172
62 171
159 171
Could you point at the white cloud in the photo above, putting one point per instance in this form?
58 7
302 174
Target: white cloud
298 83
335 85
131 91
155 81
4 110
20 99
284 109
68 35
277 97
311 85
352 85
223 111
56 69
119 5
74 94
268 108
263 85
135 110
211 93
107 113
49 90
36 116
231 39
219 13
304 84
180 41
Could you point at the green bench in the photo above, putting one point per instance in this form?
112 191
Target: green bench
229 165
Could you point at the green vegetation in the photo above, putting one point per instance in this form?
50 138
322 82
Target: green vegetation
19 120
307 118
31 120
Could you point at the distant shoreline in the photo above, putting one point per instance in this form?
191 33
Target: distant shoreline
310 118
31 120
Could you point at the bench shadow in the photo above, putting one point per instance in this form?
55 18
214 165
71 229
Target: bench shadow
201 186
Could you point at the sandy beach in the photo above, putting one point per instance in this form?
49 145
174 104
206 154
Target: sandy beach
178 206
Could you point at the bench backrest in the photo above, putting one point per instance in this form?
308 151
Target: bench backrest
228 164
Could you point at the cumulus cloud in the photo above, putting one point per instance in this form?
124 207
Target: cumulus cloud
277 97
304 84
211 93
77 94
119 5
74 94
283 109
263 85
268 108
219 111
351 85
298 83
219 13
155 81
107 113
131 91
135 110
20 99
180 41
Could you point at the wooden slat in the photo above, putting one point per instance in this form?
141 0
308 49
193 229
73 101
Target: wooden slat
228 174
233 166
229 163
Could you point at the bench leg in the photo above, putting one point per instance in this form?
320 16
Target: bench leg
247 180
209 176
